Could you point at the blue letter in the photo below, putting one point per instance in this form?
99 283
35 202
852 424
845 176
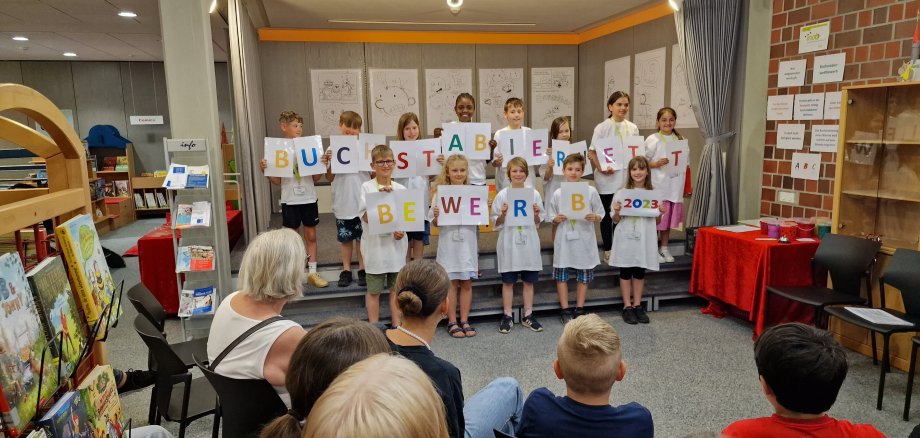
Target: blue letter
303 156
520 205
339 156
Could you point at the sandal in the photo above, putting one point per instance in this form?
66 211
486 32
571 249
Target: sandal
468 329
455 331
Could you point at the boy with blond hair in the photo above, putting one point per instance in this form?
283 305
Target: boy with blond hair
590 362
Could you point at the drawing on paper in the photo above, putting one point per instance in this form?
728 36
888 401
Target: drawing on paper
335 91
495 87
441 90
393 93
648 87
680 91
552 93
616 78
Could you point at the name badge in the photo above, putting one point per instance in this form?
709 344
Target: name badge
572 235
300 190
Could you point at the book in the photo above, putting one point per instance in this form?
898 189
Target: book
151 200
161 199
38 433
139 200
197 177
92 282
121 163
195 258
121 188
100 397
183 216
108 163
109 189
67 418
22 342
196 214
97 189
58 311
196 301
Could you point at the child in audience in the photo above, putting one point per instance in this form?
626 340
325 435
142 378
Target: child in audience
608 181
589 359
298 199
575 247
559 130
671 187
408 129
346 189
634 244
458 251
465 107
518 249
801 370
384 254
514 114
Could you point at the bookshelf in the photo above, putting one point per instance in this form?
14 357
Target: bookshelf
146 189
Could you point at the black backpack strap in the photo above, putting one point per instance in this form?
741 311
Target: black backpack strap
241 338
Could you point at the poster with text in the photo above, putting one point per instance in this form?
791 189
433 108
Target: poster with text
680 91
790 136
806 166
780 107
832 105
335 91
824 138
497 85
616 78
648 87
809 106
442 86
394 92
791 73
552 94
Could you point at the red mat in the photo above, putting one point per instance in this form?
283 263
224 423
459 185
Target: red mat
131 252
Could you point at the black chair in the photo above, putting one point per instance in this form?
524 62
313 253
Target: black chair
245 405
148 306
500 434
196 398
903 273
915 342
848 259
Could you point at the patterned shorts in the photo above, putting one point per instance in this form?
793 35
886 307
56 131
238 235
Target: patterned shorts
581 275
349 229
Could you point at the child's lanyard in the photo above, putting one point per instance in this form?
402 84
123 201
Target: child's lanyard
572 224
617 130
664 138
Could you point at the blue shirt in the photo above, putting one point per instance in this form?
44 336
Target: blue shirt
546 415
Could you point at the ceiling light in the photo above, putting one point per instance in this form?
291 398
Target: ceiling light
20 38
70 54
127 14
454 6
675 4
213 7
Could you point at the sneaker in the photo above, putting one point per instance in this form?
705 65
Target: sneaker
344 278
566 315
506 324
641 316
661 258
629 315
579 311
531 322
607 257
315 280
668 258
137 380
362 278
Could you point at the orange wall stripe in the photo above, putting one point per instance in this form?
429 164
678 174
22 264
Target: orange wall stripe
430 37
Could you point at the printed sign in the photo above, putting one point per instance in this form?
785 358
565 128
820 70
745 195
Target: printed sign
399 210
790 136
809 106
828 68
345 156
806 166
824 138
791 73
463 205
309 155
832 105
813 38
575 200
279 153
780 107
520 207
643 203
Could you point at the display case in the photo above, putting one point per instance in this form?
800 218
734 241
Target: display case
877 190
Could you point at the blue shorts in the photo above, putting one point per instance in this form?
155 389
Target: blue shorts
525 276
581 275
348 229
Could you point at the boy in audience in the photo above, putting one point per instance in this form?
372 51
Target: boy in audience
589 361
801 370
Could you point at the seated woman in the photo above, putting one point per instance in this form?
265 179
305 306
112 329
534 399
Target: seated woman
328 349
382 396
271 274
422 297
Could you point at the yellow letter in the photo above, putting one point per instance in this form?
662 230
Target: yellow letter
578 202
281 159
383 211
409 212
480 144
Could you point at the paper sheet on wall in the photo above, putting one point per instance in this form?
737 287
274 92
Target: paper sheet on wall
496 85
393 93
790 136
335 91
824 138
832 105
616 78
806 166
791 73
648 87
680 91
780 107
552 94
809 106
442 86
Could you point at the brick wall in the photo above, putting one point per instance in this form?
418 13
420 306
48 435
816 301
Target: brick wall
876 37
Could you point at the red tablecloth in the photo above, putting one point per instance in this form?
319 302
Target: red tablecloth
157 262
732 271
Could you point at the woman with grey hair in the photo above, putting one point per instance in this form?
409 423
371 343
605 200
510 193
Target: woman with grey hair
271 274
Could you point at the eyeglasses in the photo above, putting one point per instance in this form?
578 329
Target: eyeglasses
386 163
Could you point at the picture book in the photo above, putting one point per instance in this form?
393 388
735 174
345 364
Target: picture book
108 163
58 311
121 163
100 397
22 341
89 273
196 302
151 200
161 200
121 189
67 418
195 258
139 200
97 189
109 189
38 433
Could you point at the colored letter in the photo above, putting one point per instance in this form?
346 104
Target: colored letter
448 204
676 157
368 147
560 157
455 144
608 155
338 156
401 160
428 157
409 212
537 148
511 142
303 156
474 206
281 159
520 205
633 148
578 201
383 211
480 143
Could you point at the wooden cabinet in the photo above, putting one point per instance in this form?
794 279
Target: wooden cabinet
149 196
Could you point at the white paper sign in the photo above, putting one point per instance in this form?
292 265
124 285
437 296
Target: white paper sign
146 120
824 138
411 204
511 144
562 149
790 136
814 37
678 157
634 146
832 105
791 73
406 165
520 207
535 144
643 203
462 205
279 152
610 153
309 155
809 106
828 68
345 156
806 166
452 138
780 107
366 144
399 210
575 200
429 149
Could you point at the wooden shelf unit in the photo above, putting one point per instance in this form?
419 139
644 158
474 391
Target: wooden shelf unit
144 185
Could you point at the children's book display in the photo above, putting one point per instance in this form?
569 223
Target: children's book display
121 189
67 418
196 214
58 311
100 398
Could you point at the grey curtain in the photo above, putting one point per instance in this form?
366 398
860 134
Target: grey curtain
708 33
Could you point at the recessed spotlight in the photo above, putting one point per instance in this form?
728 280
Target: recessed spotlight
127 14
70 54
20 38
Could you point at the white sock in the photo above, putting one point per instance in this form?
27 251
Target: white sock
312 266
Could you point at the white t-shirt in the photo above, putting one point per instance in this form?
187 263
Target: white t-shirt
671 187
517 248
346 189
382 252
458 246
501 177
635 240
298 191
608 184
576 240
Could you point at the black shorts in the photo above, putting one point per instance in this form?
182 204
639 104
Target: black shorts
631 273
348 229
292 216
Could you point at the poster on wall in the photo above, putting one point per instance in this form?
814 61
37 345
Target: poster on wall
393 93
814 37
829 68
832 105
806 166
496 85
790 136
780 107
824 138
616 78
442 86
648 87
791 73
552 94
680 91
335 91
809 106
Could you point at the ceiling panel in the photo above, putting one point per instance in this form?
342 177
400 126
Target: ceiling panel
110 45
35 12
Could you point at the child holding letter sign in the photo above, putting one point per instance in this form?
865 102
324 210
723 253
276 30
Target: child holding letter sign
634 239
574 208
559 130
518 245
664 179
408 130
515 138
465 107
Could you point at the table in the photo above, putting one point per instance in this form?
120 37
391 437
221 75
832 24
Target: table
157 261
733 270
